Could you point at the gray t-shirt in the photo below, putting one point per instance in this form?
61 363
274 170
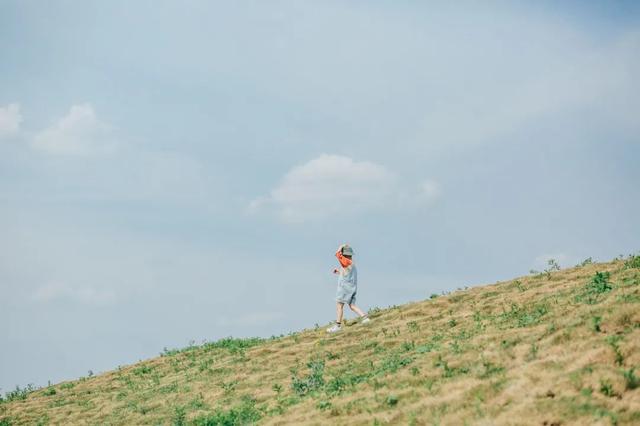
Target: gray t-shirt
350 277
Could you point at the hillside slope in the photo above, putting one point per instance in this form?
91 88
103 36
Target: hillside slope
553 348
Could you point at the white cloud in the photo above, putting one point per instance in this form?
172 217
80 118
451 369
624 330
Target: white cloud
80 132
337 185
328 185
10 119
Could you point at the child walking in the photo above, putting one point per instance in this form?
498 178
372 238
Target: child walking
347 287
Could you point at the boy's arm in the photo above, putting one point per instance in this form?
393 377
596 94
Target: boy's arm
344 262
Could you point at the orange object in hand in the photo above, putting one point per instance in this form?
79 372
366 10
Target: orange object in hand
344 262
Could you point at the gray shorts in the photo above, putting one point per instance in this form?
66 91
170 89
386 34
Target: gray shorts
346 294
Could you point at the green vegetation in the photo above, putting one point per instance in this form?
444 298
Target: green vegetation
595 289
552 266
587 261
607 388
310 383
613 341
245 413
392 400
632 262
18 393
231 344
630 379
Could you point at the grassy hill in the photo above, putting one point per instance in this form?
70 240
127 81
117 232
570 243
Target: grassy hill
551 348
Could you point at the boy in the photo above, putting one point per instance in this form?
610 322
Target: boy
347 287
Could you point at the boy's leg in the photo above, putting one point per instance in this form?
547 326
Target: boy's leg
357 310
338 325
339 312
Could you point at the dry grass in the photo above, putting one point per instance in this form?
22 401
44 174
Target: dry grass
549 349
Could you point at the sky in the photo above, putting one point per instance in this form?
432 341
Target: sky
175 172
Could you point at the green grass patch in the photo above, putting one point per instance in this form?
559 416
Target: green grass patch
233 345
631 381
243 414
613 341
594 291
312 382
490 369
522 316
632 262
448 371
18 394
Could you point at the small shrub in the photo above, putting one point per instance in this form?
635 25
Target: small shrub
613 342
533 352
19 394
586 392
426 348
606 388
229 386
392 400
630 379
595 288
50 391
587 261
507 344
490 369
628 298
323 405
331 355
198 403
179 416
374 312
447 371
596 320
393 363
312 382
524 316
335 386
413 326
407 346
552 266
243 414
142 370
173 387
632 262
600 283
231 344
234 345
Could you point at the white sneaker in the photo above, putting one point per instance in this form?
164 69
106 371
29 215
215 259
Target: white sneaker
366 320
335 328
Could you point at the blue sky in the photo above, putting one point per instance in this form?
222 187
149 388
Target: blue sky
177 171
